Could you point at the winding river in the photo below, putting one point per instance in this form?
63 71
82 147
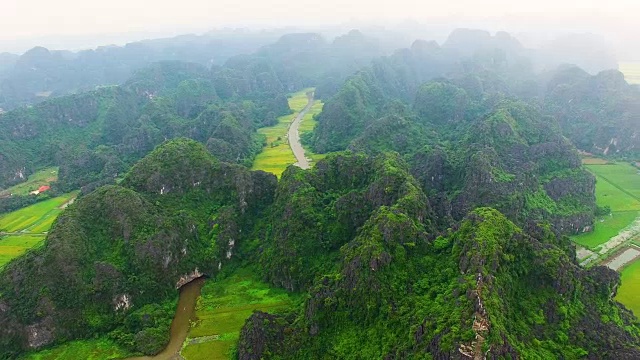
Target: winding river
181 322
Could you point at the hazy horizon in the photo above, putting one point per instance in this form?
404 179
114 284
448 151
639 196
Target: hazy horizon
67 24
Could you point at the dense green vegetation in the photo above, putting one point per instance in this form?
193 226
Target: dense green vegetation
123 248
467 143
435 228
598 113
222 309
393 287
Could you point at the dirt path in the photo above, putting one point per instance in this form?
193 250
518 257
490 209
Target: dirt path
294 135
626 257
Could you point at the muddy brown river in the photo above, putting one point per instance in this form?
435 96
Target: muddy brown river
180 325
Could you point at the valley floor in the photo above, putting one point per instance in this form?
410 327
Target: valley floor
615 239
222 310
26 228
277 154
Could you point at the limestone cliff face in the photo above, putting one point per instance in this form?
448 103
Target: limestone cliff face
486 289
121 247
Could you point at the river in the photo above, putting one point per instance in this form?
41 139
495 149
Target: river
180 325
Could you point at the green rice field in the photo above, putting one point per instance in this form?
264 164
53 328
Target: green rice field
605 228
617 186
631 71
26 228
36 218
43 177
277 155
222 310
629 291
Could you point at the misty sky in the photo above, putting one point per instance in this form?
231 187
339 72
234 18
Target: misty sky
21 19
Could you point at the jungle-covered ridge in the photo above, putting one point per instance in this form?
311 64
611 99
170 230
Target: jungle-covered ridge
435 227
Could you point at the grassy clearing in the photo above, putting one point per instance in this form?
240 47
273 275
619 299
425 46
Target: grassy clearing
36 218
27 227
617 186
623 175
100 349
605 228
631 71
307 125
12 246
42 177
629 291
277 155
223 308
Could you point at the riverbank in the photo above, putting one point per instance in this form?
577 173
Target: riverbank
181 324
223 308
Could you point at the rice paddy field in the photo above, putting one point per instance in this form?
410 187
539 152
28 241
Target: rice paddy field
605 228
629 291
631 71
617 186
35 180
222 310
26 228
277 155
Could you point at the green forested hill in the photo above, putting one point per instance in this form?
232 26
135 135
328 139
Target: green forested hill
435 229
468 144
179 210
600 114
357 233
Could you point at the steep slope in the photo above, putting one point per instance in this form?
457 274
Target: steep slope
599 113
177 214
467 146
485 289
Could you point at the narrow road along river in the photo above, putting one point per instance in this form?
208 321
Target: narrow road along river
294 135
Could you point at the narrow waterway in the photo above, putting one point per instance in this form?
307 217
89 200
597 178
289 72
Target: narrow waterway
180 325
294 135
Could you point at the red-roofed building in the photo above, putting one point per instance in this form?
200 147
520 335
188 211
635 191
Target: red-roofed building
43 188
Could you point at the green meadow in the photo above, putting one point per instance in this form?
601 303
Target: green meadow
12 246
617 186
36 218
25 228
277 155
629 291
43 177
605 228
621 175
222 310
